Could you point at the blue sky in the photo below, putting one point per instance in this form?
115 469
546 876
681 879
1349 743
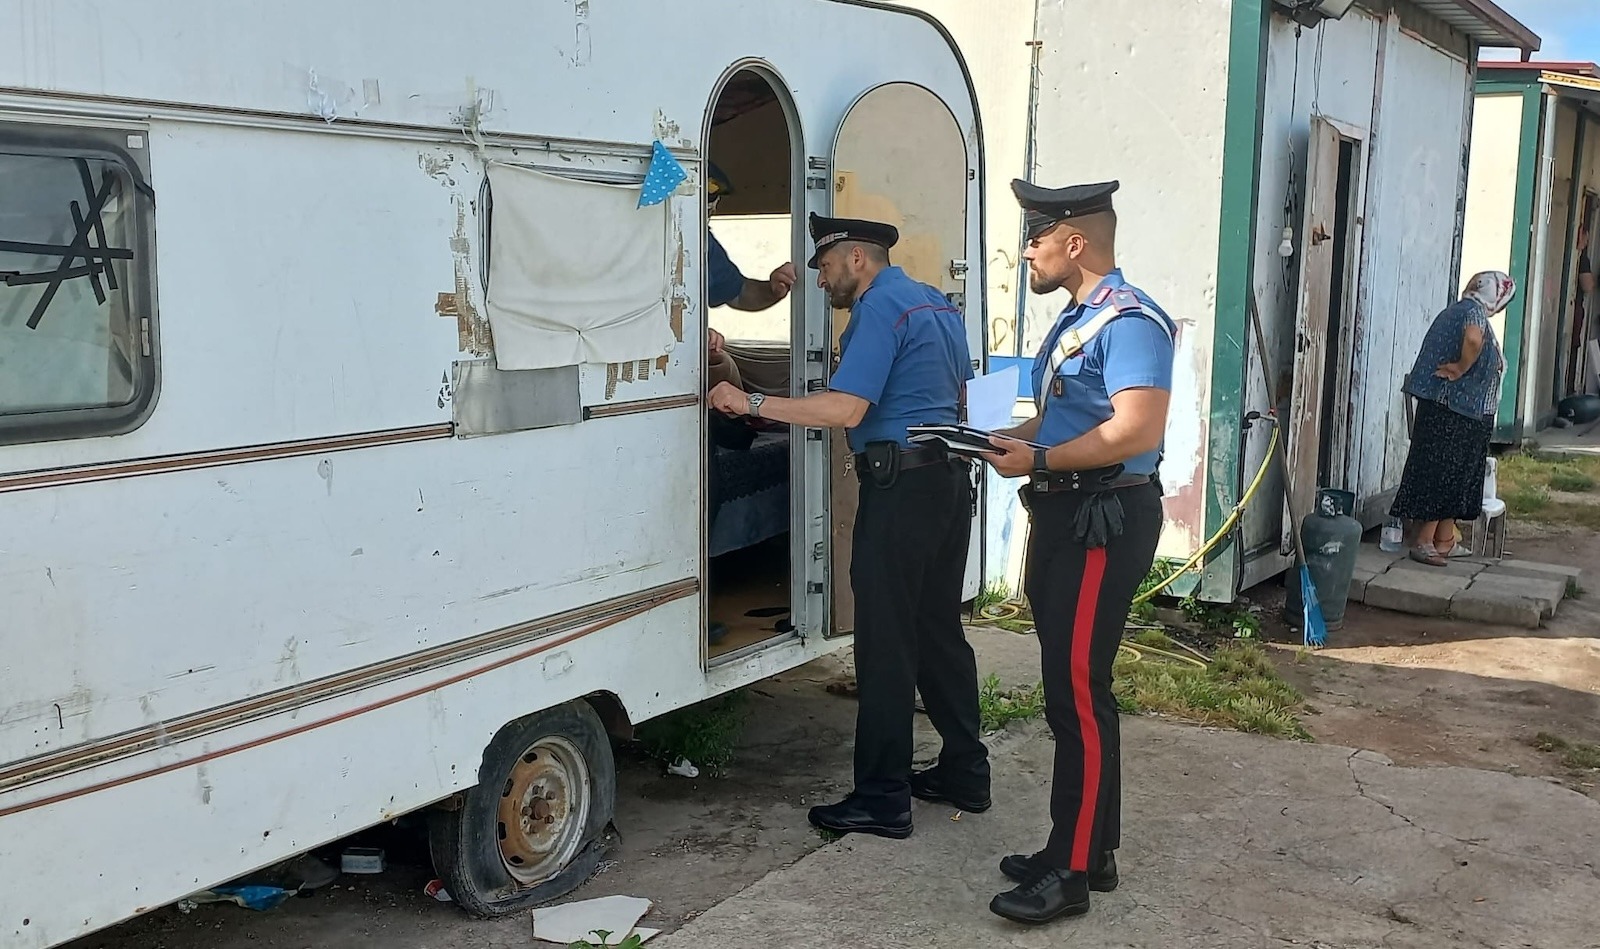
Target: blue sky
1570 28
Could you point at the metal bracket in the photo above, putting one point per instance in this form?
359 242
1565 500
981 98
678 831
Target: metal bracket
813 434
958 270
813 588
816 183
814 355
815 385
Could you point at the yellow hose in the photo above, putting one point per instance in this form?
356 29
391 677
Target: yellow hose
1136 650
1222 532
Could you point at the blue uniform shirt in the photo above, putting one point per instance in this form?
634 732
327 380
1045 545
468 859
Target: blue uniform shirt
905 351
1131 352
724 282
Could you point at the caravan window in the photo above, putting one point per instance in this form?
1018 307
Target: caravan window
76 284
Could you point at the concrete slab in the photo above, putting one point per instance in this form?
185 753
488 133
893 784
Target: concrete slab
1374 559
1547 593
1414 591
1571 576
1500 609
1455 567
1228 841
1358 585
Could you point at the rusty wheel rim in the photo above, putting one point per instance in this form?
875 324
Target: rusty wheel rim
544 808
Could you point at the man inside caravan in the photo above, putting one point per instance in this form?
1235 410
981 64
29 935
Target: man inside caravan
726 285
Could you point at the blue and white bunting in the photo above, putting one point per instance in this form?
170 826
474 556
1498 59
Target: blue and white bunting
663 178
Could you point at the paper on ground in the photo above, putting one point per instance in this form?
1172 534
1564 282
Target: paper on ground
992 399
571 922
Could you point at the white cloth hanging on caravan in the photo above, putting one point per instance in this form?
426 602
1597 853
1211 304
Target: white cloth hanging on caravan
577 272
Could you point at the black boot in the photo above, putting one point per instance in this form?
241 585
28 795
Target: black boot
853 816
1051 895
936 787
1020 868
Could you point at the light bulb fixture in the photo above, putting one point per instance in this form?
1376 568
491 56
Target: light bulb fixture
1286 246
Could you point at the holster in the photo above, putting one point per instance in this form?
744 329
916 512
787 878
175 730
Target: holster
882 463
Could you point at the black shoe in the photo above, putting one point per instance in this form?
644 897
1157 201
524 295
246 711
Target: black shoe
1049 895
851 816
1020 868
931 786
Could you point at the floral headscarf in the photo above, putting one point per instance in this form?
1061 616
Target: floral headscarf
1492 289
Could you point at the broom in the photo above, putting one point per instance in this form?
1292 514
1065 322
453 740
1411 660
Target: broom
1315 628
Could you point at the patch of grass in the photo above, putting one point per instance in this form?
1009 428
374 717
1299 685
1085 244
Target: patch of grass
1577 755
999 706
1240 689
991 595
1226 620
1567 479
1526 481
1526 499
704 733
1154 638
1159 572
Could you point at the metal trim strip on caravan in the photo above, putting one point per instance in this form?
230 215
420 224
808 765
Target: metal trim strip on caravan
615 409
66 107
547 631
214 458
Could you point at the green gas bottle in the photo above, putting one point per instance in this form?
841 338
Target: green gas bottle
1331 537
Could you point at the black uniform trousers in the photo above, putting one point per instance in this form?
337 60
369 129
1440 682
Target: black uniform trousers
1080 599
907 561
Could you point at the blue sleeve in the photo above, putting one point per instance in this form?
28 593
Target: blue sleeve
864 367
1138 355
724 282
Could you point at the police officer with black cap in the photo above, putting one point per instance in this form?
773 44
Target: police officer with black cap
1103 380
904 361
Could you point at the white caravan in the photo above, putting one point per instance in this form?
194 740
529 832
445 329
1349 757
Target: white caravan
353 449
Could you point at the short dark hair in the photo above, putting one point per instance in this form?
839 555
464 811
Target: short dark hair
877 253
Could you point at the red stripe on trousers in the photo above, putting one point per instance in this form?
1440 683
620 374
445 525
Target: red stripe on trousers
1094 571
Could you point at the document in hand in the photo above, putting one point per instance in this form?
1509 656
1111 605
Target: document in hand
959 439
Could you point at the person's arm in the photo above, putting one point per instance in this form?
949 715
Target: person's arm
856 385
1471 348
1138 377
1027 431
822 410
762 294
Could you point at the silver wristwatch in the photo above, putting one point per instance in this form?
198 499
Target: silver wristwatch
756 398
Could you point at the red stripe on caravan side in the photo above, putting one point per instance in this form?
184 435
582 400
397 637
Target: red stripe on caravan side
1094 571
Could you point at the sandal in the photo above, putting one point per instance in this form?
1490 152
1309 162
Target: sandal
1458 551
1428 556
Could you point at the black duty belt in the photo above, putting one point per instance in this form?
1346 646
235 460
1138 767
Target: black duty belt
916 457
1080 482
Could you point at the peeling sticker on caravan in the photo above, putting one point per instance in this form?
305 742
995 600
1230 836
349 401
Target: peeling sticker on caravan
472 327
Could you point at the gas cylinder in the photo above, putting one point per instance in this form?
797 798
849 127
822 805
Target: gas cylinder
1331 537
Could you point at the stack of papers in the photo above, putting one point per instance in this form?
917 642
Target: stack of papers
959 439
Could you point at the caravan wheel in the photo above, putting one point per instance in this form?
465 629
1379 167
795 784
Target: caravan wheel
532 830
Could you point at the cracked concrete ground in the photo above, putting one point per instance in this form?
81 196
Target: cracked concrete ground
1230 841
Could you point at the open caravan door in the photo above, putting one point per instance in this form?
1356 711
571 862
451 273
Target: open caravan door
900 158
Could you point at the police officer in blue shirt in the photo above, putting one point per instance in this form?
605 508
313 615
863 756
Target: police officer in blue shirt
904 362
1103 381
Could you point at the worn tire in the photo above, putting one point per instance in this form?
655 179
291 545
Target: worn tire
467 844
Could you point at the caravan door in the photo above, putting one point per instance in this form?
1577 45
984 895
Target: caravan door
900 158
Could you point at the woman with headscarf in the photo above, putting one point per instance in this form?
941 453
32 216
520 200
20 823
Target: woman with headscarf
1456 382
